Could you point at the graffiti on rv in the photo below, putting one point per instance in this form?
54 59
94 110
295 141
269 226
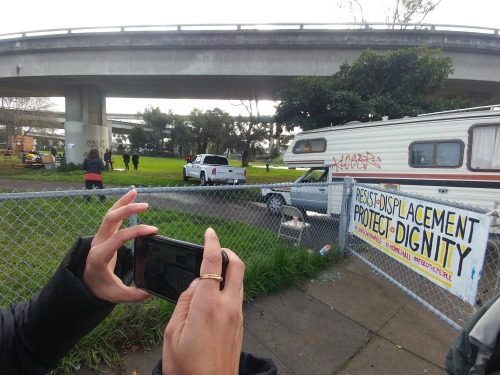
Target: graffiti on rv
356 161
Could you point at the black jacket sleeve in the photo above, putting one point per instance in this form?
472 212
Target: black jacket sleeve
36 334
249 365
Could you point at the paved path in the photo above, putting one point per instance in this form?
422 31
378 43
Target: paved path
346 321
35 185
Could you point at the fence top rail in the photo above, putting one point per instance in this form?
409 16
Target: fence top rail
429 199
16 195
252 26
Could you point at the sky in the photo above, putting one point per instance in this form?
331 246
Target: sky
30 15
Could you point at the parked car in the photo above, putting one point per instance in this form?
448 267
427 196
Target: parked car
307 198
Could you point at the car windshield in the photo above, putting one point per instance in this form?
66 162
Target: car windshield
315 175
214 159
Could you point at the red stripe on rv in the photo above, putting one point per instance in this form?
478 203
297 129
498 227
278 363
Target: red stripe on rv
429 176
304 162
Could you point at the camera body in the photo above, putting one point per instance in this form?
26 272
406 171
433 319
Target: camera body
166 267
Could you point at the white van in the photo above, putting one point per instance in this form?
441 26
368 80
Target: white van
452 155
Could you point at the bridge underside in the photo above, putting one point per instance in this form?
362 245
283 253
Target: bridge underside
204 87
165 87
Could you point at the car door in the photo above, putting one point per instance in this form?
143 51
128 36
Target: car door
311 197
193 169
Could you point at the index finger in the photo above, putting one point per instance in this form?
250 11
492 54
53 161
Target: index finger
113 219
108 248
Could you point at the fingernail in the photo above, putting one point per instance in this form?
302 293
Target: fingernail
210 231
194 283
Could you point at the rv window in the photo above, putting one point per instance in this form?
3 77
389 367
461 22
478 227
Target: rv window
436 154
485 148
306 146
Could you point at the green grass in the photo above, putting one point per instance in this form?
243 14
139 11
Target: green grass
153 171
40 231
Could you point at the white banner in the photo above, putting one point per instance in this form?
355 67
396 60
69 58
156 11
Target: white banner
442 243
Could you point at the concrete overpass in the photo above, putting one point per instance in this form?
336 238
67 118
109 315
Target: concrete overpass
56 120
218 62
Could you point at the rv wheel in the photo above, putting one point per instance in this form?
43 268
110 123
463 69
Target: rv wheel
274 203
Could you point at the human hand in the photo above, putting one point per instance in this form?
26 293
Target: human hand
98 274
205 332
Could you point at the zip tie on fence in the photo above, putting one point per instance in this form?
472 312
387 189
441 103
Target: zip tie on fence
495 212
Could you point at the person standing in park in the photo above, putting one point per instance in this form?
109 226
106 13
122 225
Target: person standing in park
188 158
135 160
93 166
107 159
267 164
110 159
126 159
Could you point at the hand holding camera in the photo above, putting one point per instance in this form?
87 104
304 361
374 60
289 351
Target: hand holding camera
98 275
207 323
166 267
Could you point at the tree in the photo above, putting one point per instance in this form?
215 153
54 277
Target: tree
414 11
201 132
138 138
221 128
181 137
158 120
250 133
394 84
393 11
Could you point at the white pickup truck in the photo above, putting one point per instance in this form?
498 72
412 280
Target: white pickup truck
210 169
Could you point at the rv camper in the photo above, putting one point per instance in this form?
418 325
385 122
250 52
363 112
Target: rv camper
452 156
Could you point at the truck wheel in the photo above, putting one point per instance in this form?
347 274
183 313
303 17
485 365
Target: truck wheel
184 175
274 203
203 179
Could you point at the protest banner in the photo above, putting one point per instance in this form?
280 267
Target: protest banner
442 243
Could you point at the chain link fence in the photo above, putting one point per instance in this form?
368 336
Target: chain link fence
38 228
450 308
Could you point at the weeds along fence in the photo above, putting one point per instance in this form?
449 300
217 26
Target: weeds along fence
38 228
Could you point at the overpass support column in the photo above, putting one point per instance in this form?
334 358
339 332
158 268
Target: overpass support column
86 125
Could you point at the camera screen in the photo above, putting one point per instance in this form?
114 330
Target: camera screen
165 267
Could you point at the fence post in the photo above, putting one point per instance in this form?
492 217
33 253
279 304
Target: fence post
344 213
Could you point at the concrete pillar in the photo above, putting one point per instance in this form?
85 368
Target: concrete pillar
86 125
9 134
